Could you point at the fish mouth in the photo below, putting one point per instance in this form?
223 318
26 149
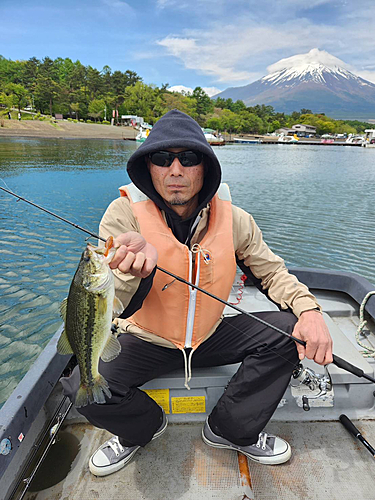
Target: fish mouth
100 254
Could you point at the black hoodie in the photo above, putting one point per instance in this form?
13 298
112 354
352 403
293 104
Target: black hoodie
176 130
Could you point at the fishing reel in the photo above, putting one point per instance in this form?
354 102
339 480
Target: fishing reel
316 382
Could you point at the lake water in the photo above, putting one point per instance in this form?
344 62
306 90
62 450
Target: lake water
314 204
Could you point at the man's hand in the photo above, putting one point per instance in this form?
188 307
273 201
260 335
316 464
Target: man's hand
134 255
312 328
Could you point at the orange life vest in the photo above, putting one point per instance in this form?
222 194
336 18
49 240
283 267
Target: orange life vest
179 313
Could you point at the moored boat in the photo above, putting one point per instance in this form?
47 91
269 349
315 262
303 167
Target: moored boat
355 139
287 138
244 140
213 138
143 133
189 470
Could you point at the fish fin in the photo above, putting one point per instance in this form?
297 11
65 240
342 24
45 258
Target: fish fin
63 345
93 394
63 307
82 396
111 350
99 389
117 307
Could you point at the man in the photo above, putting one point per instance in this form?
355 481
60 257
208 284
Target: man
177 215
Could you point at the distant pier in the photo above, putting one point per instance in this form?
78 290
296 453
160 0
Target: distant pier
274 140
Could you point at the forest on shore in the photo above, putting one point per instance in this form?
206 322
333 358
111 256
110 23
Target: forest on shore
84 93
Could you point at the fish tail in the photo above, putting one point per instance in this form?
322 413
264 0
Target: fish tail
93 394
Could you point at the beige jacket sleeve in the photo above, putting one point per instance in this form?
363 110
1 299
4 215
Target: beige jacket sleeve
118 219
282 287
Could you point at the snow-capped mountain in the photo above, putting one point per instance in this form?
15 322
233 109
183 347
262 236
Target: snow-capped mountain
317 81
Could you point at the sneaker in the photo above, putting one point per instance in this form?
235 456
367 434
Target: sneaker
112 456
268 450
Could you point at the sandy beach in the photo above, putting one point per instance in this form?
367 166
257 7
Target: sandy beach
64 130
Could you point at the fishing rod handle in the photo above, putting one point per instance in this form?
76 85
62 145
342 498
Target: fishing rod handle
349 426
345 365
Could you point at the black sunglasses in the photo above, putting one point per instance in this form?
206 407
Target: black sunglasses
166 158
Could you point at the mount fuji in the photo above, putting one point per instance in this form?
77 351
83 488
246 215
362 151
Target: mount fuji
317 81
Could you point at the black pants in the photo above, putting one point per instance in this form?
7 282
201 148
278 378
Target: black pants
249 401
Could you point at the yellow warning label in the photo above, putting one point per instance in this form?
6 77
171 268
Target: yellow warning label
161 397
195 404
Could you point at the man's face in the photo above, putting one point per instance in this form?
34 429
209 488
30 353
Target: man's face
177 185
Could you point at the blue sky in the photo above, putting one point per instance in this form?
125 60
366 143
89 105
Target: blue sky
207 43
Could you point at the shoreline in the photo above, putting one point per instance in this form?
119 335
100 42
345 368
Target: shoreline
63 129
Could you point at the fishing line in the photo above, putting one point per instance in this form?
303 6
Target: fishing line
238 309
341 363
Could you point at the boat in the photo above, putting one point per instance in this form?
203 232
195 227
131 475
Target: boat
287 138
369 139
355 139
244 140
144 130
213 138
327 461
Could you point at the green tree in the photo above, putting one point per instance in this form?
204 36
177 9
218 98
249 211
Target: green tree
140 99
30 70
274 125
176 100
248 122
238 106
94 82
215 123
46 88
228 120
203 104
75 106
7 101
20 94
96 108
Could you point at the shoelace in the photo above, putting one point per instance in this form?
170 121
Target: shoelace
262 440
115 444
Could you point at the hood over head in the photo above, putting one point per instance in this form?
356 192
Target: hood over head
175 130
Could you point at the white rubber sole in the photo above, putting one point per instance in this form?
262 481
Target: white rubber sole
279 459
110 469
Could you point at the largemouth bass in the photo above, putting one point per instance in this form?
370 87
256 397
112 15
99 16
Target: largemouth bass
87 313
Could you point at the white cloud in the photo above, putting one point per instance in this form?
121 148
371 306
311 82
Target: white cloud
162 4
210 91
119 6
201 57
181 88
228 53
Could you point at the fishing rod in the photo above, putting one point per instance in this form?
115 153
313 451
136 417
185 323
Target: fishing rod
341 363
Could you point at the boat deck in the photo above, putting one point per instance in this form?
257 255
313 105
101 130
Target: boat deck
327 462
